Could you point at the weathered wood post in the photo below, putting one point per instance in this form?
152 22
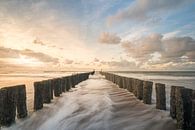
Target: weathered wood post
160 96
193 115
130 88
60 85
173 102
139 86
67 84
73 81
183 108
147 92
57 87
120 82
134 87
8 105
38 95
21 101
124 83
46 91
63 84
52 86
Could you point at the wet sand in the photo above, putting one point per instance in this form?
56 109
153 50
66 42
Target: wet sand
97 104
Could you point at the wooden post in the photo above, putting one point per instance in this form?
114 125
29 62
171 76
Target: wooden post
67 84
57 87
52 86
130 85
160 96
124 83
46 91
147 92
63 84
8 98
173 102
135 87
183 108
72 81
38 95
120 82
139 86
193 115
21 101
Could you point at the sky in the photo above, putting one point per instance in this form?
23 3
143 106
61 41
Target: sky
61 35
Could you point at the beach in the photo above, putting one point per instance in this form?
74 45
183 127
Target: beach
97 104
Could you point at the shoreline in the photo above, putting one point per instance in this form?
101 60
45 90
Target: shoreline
97 104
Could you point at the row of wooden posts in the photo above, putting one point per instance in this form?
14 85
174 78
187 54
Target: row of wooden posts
13 99
182 100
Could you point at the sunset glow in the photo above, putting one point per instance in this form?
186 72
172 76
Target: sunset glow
102 34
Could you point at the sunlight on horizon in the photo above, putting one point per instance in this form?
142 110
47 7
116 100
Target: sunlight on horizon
86 35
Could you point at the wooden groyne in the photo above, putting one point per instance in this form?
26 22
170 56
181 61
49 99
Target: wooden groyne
182 100
13 101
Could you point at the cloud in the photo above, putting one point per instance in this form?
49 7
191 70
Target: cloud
38 55
141 10
144 46
68 61
8 53
109 38
121 64
38 41
96 60
13 53
154 49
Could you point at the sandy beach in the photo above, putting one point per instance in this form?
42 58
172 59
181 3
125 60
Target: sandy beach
97 104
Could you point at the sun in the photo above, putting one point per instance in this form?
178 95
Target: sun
27 61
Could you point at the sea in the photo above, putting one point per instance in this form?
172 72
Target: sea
169 78
28 78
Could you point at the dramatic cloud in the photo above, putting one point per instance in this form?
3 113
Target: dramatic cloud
96 60
144 46
13 53
109 38
141 10
154 49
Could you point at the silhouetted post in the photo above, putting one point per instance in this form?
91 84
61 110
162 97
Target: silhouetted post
124 83
139 86
117 79
46 91
135 87
173 102
8 97
160 96
120 82
193 115
21 101
72 81
147 92
130 88
38 95
57 87
67 83
63 84
52 86
183 108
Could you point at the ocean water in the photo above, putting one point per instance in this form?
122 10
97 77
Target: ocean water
169 78
11 79
96 104
184 78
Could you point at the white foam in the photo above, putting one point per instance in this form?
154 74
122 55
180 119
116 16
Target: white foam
97 104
